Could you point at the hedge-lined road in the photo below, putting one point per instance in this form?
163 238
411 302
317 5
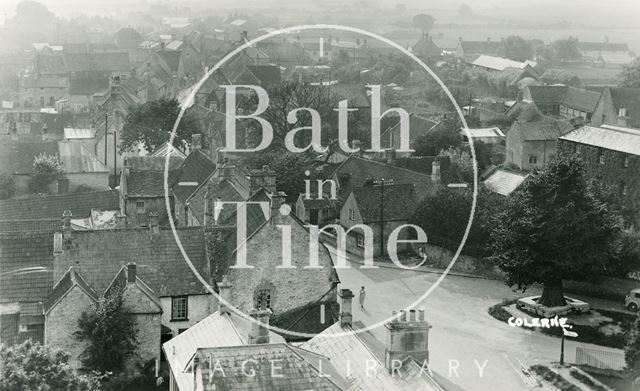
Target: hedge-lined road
462 330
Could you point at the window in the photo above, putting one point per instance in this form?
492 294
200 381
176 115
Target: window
533 159
622 112
360 240
263 299
626 161
179 308
601 157
352 215
140 207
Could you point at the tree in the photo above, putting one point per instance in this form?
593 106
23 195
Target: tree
111 333
423 22
34 367
630 75
289 169
151 123
552 229
46 168
7 187
441 138
461 169
516 48
566 49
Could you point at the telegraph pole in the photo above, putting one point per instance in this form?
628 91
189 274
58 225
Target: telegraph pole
381 183
106 118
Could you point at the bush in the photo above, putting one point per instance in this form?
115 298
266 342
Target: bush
553 378
586 380
498 311
46 168
7 187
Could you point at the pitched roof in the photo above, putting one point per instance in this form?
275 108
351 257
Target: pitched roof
215 188
120 281
145 183
51 65
167 148
77 158
351 354
426 47
547 94
231 330
193 173
504 182
52 206
100 62
399 202
603 46
480 47
417 127
267 74
154 163
581 99
615 138
628 98
497 63
17 158
87 86
484 132
544 129
30 225
301 370
171 58
100 254
32 253
69 280
355 93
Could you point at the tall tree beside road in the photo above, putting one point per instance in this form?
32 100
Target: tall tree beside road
630 75
423 22
151 123
552 229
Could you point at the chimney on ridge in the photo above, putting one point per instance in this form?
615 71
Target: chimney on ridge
224 291
154 222
346 316
277 200
407 336
131 272
259 334
66 227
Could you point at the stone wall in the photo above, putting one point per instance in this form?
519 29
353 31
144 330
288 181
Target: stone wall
62 321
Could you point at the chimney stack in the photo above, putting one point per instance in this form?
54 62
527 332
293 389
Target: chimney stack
259 334
196 141
154 222
66 227
131 272
346 316
407 336
224 291
435 171
263 178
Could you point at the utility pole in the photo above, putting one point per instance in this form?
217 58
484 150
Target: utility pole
381 184
115 155
106 118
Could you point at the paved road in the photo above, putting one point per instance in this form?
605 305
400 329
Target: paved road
463 333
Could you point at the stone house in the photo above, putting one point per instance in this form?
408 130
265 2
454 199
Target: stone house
316 211
618 106
473 49
418 126
43 91
425 48
612 158
531 145
560 101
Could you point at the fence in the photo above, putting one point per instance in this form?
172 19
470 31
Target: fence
603 359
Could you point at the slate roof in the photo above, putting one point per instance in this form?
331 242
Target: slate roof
143 183
426 47
100 254
480 47
51 65
417 127
17 158
52 206
545 129
399 202
504 182
70 279
547 94
581 99
231 330
354 171
171 58
614 138
628 98
301 370
484 132
20 250
497 63
267 74
120 281
77 158
153 163
167 148
30 225
603 46
215 188
47 82
196 168
87 86
350 354
355 93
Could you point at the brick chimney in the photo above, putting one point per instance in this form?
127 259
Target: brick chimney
259 334
132 270
346 317
196 141
435 171
224 291
66 228
407 336
154 222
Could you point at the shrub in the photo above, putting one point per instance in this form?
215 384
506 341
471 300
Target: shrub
553 378
586 380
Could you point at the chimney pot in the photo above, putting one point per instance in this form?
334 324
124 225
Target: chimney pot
259 333
407 336
131 272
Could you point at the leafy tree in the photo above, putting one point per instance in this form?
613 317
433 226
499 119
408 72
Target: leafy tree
423 22
111 333
566 49
46 168
151 123
553 228
630 76
7 187
289 169
461 169
34 367
444 217
516 48
441 138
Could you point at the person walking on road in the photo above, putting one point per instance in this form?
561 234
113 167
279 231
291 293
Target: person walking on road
363 294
